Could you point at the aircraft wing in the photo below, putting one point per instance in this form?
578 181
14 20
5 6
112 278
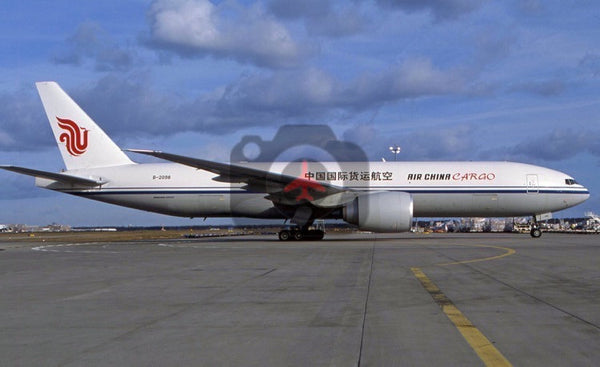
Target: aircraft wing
60 177
281 189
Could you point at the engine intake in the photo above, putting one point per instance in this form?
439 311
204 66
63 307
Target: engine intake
381 212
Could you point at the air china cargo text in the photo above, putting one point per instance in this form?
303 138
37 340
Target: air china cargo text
458 176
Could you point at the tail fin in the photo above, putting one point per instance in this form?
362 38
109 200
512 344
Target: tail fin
82 143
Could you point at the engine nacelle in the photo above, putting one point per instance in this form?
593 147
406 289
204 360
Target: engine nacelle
381 212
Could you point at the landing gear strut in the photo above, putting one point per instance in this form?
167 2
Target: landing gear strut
300 234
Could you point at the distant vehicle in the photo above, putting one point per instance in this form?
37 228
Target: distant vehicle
383 197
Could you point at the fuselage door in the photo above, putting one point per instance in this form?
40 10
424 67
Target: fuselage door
532 184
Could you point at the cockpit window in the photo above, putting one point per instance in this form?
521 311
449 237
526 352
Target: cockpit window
570 181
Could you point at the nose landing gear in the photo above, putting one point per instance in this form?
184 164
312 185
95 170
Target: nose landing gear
535 232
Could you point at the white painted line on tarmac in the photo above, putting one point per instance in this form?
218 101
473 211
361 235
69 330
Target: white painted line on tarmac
66 248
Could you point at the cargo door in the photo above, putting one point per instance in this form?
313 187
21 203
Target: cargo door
532 184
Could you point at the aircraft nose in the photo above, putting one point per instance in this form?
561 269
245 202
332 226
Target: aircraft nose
584 195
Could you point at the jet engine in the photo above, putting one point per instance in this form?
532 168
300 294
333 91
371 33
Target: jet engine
381 212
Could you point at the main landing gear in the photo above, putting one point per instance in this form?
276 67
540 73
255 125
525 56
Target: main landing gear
311 231
299 234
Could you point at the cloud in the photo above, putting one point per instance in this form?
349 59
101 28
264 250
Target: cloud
311 94
530 6
452 143
91 42
20 129
308 9
285 94
544 88
361 134
414 78
458 142
322 17
199 28
440 9
559 144
591 64
129 104
123 106
13 186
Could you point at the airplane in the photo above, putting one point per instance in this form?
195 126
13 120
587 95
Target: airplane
374 196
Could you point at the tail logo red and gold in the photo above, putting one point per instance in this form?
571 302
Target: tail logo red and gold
74 137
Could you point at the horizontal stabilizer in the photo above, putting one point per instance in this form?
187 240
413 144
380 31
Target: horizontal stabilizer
60 177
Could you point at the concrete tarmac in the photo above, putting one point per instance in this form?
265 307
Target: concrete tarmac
349 300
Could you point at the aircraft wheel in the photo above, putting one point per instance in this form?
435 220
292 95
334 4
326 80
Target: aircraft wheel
536 233
318 235
284 235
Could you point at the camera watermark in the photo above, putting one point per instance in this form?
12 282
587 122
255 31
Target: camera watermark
314 164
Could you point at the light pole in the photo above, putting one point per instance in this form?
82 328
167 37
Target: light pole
395 149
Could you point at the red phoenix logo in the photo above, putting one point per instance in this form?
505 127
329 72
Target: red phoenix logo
74 137
304 185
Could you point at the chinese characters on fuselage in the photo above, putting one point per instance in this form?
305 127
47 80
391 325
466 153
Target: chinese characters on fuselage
349 176
388 176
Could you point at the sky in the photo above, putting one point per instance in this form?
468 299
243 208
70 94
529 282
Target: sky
443 79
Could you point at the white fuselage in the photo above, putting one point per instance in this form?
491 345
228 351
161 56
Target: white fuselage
438 189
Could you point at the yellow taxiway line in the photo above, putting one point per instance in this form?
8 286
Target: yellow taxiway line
508 252
486 351
480 344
